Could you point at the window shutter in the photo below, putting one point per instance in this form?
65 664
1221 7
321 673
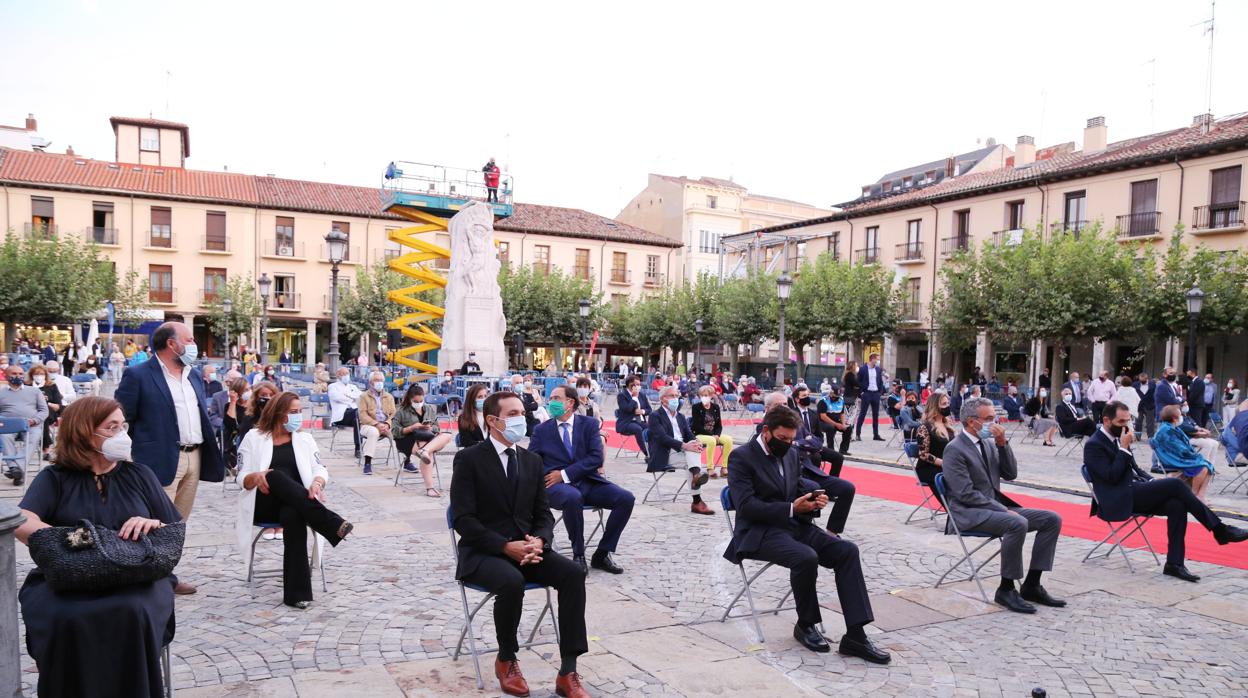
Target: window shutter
42 207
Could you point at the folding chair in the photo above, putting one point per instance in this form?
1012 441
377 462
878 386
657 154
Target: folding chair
1215 421
433 460
645 436
731 403
1241 477
1028 433
32 441
318 400
967 554
597 527
658 491
756 408
315 560
929 495
1068 446
910 454
1135 522
166 671
469 615
725 501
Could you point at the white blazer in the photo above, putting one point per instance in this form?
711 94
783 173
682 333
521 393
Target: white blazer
255 454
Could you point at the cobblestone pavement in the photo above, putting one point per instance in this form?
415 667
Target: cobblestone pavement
392 615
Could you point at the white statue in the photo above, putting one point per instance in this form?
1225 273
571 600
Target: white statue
474 322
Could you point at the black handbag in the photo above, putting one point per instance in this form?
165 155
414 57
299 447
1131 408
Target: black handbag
90 558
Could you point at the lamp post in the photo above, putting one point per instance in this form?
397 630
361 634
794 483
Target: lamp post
227 307
584 341
784 284
336 245
1195 301
697 356
264 285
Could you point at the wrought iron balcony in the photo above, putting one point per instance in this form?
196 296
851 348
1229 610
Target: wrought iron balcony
912 312
621 276
1220 216
869 255
1008 237
652 280
1134 225
957 243
909 252
100 236
214 243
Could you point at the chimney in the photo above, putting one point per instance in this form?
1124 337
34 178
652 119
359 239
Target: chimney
1095 135
1025 151
31 124
69 151
1204 121
949 166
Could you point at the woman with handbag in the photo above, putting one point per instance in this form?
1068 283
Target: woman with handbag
415 426
283 482
105 640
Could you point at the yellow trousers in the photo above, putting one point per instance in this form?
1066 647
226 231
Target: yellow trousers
723 440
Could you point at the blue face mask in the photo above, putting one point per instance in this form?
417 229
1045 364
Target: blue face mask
515 428
673 403
985 432
190 352
480 403
293 422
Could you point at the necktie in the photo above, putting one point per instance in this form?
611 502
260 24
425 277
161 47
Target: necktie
567 436
511 464
780 468
983 453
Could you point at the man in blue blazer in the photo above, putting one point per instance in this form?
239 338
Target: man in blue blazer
1166 394
632 410
871 378
571 448
670 435
1123 489
164 402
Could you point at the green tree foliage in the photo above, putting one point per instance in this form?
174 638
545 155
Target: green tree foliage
746 312
861 302
244 307
1222 275
364 307
51 280
545 307
131 298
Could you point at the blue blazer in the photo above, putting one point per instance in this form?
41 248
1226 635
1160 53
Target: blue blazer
864 380
1112 470
661 440
626 405
1163 394
586 457
148 405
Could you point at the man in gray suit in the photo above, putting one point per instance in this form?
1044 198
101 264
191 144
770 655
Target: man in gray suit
974 463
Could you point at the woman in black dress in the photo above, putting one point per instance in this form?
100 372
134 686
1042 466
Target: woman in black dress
935 433
107 642
850 390
38 377
240 417
472 420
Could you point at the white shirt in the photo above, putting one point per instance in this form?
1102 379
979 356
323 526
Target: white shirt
871 383
675 429
571 426
66 386
341 398
499 447
185 405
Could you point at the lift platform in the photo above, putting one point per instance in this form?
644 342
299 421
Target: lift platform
428 195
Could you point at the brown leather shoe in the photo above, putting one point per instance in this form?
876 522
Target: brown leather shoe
184 589
510 679
700 508
569 686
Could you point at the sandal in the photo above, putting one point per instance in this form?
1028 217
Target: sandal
432 492
424 458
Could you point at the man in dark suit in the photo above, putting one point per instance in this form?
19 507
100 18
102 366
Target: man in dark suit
503 519
871 378
812 455
1123 489
670 438
774 514
1071 419
1078 390
1147 390
1167 393
632 411
1198 410
164 402
571 448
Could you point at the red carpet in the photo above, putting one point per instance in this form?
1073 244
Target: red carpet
1075 520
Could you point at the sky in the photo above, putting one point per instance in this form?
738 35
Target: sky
580 100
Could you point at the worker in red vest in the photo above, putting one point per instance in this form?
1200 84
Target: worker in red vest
491 180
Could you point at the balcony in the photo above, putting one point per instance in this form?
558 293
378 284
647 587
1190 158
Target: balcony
957 243
214 244
908 253
580 272
1063 227
1219 218
100 236
386 253
538 267
209 296
652 280
869 255
622 277
159 239
912 312
1136 226
1013 236
162 296
40 231
285 250
284 301
352 255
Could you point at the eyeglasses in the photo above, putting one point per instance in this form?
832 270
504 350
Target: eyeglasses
114 429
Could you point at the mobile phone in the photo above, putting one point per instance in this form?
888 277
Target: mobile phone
816 494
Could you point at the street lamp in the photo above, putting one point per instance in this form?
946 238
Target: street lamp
584 304
784 284
1195 301
336 245
264 285
697 357
227 307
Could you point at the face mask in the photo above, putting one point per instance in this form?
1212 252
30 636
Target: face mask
777 447
706 401
985 432
345 380
246 394
673 403
39 381
1170 378
1186 409
1115 430
909 403
293 422
1230 386
479 403
556 408
517 387
1044 393
261 402
946 411
190 352
268 372
379 386
528 384
514 428
15 381
582 392
804 401
209 377
1068 398
116 447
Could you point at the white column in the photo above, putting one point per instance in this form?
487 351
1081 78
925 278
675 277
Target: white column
1098 358
1037 363
933 351
982 351
889 360
311 357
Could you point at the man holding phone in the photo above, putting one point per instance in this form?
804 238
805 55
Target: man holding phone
774 514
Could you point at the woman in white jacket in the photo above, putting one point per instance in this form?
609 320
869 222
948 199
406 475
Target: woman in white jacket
284 483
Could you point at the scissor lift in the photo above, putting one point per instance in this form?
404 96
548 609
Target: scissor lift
428 195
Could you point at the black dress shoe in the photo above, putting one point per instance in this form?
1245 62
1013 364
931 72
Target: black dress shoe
603 561
580 562
863 649
878 438
1037 594
1011 600
1229 534
1179 571
811 638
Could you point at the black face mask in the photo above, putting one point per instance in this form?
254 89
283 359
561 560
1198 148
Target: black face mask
804 402
910 403
1170 378
262 401
777 447
946 411
1115 430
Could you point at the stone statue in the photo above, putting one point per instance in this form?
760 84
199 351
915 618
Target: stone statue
474 321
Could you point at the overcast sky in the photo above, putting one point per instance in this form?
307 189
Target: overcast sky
581 100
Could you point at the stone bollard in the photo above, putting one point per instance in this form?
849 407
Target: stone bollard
10 645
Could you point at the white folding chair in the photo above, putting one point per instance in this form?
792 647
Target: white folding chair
589 540
1135 522
658 490
1068 445
725 501
315 560
967 554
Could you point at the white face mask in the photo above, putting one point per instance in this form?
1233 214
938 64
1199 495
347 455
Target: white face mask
379 386
706 401
38 381
116 447
345 380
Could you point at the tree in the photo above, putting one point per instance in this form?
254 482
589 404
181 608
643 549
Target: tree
364 307
131 298
744 313
805 313
545 306
861 302
51 280
1223 276
244 308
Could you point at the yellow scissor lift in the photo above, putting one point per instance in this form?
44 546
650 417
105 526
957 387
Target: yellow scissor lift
428 195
